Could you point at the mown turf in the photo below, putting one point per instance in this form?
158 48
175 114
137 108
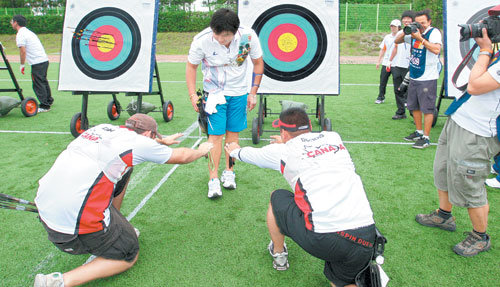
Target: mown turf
188 240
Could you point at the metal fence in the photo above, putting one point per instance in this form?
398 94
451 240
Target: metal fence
370 17
353 17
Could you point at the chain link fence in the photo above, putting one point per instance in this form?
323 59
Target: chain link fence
353 17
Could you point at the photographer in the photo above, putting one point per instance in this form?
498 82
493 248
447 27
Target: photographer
466 145
400 59
424 62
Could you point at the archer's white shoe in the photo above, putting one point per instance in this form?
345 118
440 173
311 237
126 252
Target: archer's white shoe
228 179
214 188
50 280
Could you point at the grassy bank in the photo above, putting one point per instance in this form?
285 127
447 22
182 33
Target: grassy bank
351 43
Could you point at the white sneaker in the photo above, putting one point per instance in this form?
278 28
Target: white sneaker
280 260
42 110
214 188
492 182
228 179
50 280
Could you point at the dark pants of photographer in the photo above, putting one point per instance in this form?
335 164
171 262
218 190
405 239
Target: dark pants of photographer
41 85
384 77
398 74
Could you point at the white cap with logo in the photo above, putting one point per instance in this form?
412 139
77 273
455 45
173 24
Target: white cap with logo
396 23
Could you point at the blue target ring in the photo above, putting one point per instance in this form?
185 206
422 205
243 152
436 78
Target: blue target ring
89 39
308 54
309 24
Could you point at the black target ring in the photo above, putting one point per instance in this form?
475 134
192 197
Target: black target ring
321 45
133 47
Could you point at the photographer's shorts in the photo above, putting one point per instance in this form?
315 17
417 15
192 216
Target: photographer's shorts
462 163
344 259
422 96
231 116
118 241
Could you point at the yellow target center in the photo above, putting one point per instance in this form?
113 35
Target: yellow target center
287 42
106 43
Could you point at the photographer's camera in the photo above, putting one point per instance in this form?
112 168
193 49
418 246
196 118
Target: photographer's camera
412 28
492 25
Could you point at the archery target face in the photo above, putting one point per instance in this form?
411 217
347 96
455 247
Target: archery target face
460 12
108 48
299 42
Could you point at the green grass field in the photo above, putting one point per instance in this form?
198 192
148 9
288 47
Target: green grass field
189 240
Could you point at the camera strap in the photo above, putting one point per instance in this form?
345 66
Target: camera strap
460 68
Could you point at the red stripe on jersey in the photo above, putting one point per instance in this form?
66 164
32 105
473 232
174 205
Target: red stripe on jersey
97 201
304 205
282 167
127 157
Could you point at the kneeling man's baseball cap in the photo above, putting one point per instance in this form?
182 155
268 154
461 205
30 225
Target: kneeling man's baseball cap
143 122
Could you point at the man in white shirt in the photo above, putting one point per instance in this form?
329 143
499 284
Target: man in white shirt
468 141
79 198
400 60
424 71
32 51
223 49
328 213
386 48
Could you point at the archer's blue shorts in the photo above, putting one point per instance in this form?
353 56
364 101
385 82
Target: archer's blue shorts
231 116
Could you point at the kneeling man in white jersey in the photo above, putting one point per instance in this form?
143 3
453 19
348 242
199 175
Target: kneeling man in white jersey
328 214
79 198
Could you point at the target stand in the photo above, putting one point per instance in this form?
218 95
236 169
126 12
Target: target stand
80 122
263 111
29 106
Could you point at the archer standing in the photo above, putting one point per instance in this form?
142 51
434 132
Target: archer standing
32 51
223 49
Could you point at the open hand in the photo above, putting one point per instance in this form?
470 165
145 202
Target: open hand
170 140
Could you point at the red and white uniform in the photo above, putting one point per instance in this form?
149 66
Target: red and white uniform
75 194
319 169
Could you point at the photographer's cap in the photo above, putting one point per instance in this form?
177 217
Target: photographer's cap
143 122
396 23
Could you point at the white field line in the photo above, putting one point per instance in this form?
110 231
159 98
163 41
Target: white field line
183 82
47 260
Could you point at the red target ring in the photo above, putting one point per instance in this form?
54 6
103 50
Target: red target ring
106 47
287 42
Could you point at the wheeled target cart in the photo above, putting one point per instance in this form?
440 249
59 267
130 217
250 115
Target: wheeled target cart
263 111
29 105
80 123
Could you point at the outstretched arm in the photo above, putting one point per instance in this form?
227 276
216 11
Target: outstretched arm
266 157
186 155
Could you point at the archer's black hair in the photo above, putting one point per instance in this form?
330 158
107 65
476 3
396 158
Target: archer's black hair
425 12
20 20
408 13
224 20
297 117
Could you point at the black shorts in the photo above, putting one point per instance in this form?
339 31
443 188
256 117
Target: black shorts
343 258
118 241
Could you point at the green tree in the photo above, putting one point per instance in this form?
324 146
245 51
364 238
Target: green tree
11 3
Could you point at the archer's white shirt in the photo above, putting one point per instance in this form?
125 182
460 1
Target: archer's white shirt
35 53
225 69
75 194
320 171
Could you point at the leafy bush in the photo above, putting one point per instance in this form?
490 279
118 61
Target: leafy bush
37 24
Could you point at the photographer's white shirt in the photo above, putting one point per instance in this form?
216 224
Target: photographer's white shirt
387 44
223 71
402 58
478 114
35 53
432 64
